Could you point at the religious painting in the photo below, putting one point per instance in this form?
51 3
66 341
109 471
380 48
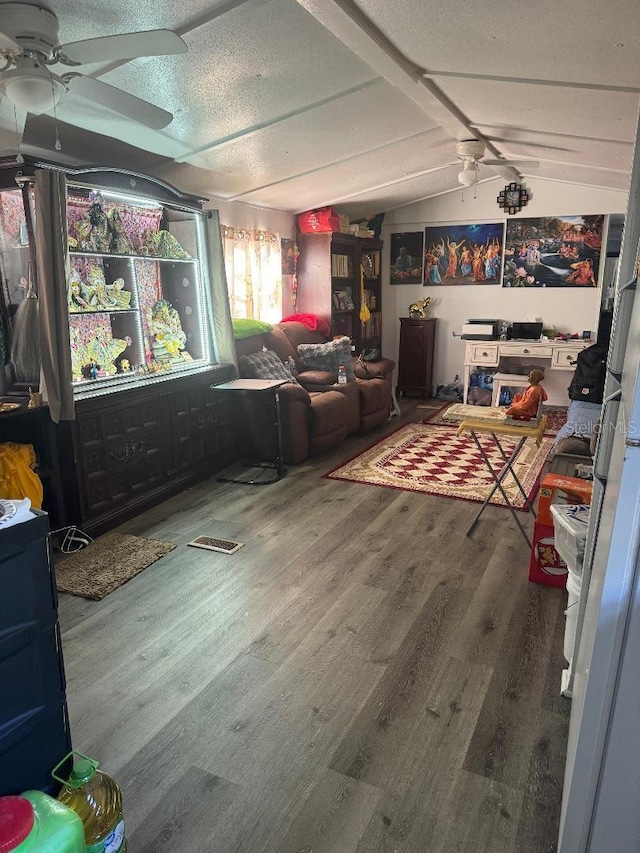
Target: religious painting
463 254
406 258
553 251
288 256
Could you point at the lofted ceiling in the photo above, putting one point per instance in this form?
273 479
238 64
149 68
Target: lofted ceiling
294 104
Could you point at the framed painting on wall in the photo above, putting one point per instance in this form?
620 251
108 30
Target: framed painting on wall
406 258
553 251
463 254
287 247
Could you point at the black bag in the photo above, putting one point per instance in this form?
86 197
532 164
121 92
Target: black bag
588 380
371 354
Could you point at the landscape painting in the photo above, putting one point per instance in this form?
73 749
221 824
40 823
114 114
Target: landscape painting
463 254
406 258
553 251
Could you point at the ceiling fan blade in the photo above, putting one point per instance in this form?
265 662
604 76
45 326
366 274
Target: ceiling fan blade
119 101
8 45
528 144
125 46
516 164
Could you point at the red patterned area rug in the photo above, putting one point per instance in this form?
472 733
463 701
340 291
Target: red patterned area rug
453 413
436 461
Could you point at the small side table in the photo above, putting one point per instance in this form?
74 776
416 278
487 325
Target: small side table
259 386
494 430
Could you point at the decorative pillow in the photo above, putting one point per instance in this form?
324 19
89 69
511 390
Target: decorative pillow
244 328
277 341
264 365
328 356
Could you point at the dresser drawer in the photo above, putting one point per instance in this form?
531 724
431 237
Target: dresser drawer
484 354
565 358
530 350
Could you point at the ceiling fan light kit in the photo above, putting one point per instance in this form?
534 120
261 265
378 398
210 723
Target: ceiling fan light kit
32 87
469 174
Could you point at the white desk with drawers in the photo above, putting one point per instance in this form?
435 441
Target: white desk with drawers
555 355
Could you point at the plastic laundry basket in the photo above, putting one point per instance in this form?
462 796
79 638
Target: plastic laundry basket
570 524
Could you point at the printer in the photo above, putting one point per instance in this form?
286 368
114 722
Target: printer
482 330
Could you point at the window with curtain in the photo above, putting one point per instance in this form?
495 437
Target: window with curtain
253 261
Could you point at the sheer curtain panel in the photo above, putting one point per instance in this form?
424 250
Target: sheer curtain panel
253 260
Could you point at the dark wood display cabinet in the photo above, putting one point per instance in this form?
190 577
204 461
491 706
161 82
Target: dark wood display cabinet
415 358
149 333
339 278
132 452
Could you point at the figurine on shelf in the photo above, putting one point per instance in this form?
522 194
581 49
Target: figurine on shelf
120 244
102 299
104 350
165 327
77 302
121 297
93 228
90 370
525 406
168 246
161 244
95 291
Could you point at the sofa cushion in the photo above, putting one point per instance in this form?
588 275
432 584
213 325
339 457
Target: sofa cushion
264 365
317 380
328 356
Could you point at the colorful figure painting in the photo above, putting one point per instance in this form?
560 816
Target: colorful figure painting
553 251
463 254
406 258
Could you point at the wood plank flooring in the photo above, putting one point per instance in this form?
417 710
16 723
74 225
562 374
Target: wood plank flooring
359 678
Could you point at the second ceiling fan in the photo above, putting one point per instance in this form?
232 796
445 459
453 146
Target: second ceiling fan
471 153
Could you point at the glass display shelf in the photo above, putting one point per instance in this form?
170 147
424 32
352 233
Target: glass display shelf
138 303
76 253
103 311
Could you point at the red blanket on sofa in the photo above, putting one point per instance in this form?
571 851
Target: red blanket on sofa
311 321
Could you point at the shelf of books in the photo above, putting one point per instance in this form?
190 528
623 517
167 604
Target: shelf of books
341 266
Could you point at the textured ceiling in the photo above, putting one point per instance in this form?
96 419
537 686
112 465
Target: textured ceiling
293 104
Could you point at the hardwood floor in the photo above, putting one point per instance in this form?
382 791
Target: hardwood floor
359 678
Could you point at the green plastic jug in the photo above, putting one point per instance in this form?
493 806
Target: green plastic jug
97 799
37 823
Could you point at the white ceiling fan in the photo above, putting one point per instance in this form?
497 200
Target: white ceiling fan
471 153
29 44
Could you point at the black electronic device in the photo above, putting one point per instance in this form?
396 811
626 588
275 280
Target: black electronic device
526 331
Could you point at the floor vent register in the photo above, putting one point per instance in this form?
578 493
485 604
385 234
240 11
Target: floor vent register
212 543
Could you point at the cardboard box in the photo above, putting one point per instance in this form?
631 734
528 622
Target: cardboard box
344 223
555 488
546 566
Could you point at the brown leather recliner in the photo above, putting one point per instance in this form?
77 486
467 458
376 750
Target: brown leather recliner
370 401
317 414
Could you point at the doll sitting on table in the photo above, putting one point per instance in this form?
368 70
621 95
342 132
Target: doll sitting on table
525 406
